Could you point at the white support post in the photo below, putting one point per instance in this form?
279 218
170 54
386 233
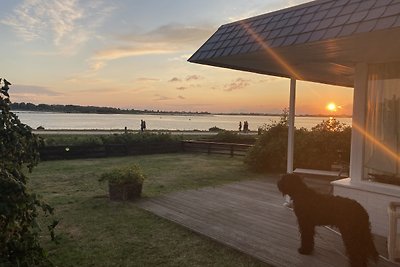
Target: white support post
292 113
290 153
359 114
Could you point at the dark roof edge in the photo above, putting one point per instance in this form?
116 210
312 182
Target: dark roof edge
227 66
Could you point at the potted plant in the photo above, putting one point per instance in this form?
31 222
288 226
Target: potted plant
124 183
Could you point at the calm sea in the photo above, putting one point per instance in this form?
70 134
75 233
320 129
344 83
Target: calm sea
154 122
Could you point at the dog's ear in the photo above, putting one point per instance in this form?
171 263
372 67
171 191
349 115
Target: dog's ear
290 183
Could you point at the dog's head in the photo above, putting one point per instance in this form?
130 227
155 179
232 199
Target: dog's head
290 184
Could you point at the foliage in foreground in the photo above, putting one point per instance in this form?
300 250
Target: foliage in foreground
19 208
327 143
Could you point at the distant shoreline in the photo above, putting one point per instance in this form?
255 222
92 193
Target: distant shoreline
55 108
166 113
122 131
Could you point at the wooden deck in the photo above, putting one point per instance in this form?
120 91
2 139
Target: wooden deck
249 216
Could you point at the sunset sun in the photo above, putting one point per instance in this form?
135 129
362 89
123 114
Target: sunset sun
332 107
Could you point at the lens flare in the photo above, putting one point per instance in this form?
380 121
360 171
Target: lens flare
265 47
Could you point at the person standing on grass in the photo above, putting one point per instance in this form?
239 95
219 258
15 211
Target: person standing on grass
240 126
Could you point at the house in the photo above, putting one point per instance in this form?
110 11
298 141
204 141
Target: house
351 43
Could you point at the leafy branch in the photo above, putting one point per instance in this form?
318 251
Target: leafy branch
19 208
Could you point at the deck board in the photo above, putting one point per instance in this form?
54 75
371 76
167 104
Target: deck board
249 216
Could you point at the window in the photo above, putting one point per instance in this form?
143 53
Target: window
382 143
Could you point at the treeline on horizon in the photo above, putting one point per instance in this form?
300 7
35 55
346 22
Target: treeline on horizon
110 110
89 109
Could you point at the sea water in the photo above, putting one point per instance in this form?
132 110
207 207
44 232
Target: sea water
80 121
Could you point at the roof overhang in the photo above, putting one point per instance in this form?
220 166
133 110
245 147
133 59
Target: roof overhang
328 60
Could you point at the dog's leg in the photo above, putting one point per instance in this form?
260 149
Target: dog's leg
307 232
354 249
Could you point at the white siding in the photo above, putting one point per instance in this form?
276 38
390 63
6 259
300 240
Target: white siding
371 197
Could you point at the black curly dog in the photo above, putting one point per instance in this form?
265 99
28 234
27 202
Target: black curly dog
313 209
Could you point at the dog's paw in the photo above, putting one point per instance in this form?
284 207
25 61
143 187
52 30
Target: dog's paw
305 251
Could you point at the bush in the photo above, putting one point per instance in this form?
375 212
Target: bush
269 153
327 143
72 140
215 129
232 137
97 140
131 174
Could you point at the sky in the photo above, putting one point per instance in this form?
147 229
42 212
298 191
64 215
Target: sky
132 54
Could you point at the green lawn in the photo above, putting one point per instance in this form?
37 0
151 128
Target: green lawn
96 232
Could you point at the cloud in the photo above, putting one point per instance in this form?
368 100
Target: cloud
21 90
145 79
87 78
187 79
174 80
66 23
176 35
166 39
193 78
129 51
96 65
161 98
182 88
238 84
166 98
183 57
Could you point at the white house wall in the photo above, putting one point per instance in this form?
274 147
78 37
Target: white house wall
374 197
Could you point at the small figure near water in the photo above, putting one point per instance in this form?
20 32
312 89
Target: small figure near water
142 125
240 126
245 126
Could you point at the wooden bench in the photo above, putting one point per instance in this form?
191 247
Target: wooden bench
320 180
335 174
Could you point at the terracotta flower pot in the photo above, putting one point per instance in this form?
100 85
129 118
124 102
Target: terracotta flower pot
124 192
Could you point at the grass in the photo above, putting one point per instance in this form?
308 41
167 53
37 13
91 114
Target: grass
96 232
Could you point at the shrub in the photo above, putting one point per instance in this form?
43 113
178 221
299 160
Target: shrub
98 140
130 174
139 139
72 140
232 137
327 143
215 129
269 151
